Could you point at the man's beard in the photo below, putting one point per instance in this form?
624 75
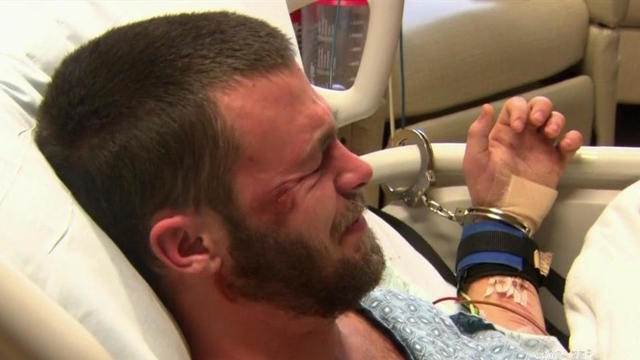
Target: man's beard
303 274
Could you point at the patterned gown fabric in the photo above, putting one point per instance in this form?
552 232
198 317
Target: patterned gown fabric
424 332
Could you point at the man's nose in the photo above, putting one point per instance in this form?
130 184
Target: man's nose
353 173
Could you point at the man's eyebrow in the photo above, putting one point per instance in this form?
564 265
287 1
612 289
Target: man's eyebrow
320 143
327 138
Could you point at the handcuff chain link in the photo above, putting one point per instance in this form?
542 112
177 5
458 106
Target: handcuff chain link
435 207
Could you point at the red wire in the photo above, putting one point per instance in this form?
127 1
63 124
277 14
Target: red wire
447 298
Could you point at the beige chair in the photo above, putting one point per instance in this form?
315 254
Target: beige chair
623 18
461 54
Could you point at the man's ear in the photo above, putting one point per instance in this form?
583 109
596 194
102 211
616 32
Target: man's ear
183 243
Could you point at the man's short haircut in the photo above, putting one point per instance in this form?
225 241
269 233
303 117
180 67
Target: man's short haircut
130 125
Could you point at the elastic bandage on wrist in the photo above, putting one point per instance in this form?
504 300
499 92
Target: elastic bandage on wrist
528 201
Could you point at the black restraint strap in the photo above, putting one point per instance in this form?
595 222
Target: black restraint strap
419 244
554 282
554 331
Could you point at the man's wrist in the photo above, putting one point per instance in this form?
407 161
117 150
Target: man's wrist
477 214
527 200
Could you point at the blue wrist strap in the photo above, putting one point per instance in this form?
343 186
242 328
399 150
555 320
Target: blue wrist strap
490 225
494 247
490 257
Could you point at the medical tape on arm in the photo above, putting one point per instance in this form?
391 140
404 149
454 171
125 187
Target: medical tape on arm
528 201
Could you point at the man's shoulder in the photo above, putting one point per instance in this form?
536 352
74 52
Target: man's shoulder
384 294
390 306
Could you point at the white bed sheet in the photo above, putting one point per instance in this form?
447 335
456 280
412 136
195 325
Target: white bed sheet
603 289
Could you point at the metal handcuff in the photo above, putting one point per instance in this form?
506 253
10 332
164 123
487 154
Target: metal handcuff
416 194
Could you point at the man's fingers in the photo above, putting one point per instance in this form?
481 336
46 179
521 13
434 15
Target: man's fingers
540 109
554 125
569 144
478 135
514 113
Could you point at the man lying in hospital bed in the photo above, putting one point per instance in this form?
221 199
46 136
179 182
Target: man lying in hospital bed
203 152
185 244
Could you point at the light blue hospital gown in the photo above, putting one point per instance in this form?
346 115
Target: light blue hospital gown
424 332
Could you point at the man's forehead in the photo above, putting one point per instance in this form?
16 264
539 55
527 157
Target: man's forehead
278 101
276 114
287 80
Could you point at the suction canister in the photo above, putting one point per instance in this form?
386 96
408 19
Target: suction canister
333 33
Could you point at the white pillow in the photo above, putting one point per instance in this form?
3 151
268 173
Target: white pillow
45 235
602 285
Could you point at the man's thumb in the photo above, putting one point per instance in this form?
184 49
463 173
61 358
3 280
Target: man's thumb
478 134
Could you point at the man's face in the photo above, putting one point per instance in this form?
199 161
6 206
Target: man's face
298 239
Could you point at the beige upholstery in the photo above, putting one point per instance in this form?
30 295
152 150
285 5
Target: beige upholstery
573 97
632 17
615 13
601 64
607 12
457 52
623 17
460 54
629 75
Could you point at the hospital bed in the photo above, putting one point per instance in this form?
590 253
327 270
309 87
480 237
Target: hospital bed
67 292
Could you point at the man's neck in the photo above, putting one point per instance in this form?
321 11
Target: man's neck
247 330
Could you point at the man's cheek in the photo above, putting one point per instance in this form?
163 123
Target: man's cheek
274 209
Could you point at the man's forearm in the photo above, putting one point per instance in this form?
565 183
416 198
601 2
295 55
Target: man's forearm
498 268
521 309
